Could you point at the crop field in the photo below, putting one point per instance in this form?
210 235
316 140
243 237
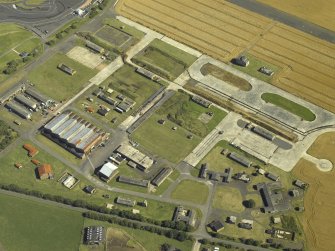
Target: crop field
224 31
318 218
54 228
320 12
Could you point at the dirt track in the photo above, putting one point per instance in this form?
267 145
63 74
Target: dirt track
224 30
319 216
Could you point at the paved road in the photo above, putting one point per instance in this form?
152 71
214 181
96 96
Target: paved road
290 20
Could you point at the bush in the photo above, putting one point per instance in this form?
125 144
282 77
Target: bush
249 203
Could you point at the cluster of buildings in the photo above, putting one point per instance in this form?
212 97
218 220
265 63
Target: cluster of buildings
273 198
24 101
121 104
218 225
74 133
205 173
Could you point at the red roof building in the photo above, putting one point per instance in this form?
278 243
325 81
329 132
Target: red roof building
45 171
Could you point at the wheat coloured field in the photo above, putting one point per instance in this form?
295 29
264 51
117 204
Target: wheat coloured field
224 30
318 219
320 12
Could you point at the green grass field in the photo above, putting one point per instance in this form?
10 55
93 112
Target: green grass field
164 59
253 67
27 225
14 40
229 199
289 106
150 241
183 111
163 141
124 27
55 83
192 191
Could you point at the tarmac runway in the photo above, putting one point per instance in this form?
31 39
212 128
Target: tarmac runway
290 20
48 16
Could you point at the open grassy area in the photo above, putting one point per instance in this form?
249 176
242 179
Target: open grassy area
7 135
124 81
124 27
57 84
186 113
172 145
14 40
164 59
253 67
228 198
150 241
288 105
231 79
26 178
192 191
27 225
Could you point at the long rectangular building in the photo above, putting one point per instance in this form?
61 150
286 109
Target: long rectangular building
162 175
19 110
74 133
132 181
26 102
38 96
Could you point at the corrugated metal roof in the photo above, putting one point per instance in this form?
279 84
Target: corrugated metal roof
28 102
85 132
56 121
65 126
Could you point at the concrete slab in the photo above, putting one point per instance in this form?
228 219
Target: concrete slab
85 57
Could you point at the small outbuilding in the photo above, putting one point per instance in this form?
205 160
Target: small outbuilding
45 172
216 225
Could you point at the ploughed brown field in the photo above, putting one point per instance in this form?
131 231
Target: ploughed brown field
318 219
223 31
320 12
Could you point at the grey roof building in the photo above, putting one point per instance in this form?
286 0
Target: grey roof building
125 202
263 132
216 225
146 73
185 215
108 99
272 176
272 197
201 101
239 159
203 171
162 175
38 96
26 102
19 110
11 93
132 181
94 47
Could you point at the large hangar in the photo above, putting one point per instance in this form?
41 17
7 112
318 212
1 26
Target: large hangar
74 133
